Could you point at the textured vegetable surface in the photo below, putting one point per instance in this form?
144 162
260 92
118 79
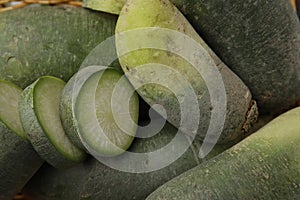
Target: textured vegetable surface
47 40
266 165
93 180
258 40
18 163
160 86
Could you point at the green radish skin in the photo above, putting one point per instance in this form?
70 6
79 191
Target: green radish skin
266 165
241 110
47 40
18 160
258 40
61 184
97 181
39 111
109 6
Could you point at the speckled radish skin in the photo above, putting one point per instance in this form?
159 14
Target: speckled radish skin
93 180
47 40
138 14
258 40
266 165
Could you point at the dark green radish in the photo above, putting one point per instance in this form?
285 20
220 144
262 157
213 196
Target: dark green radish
58 184
47 40
93 111
266 165
94 180
109 6
258 40
39 112
240 111
18 160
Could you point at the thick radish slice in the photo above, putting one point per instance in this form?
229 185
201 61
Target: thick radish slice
9 95
18 160
68 100
39 110
102 131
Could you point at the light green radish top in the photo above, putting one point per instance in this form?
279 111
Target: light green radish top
139 14
157 13
110 6
9 114
169 64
